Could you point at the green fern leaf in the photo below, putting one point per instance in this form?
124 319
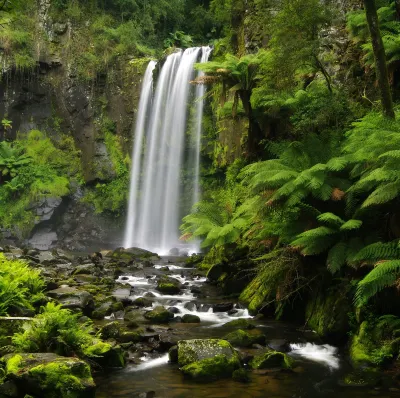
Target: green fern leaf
330 218
350 225
337 256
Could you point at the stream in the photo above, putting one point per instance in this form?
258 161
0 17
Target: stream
318 370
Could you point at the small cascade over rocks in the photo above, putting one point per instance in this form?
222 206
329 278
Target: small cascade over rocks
156 191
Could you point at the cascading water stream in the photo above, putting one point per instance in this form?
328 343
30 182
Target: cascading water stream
154 211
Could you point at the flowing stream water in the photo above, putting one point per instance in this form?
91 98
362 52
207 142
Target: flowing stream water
318 372
156 192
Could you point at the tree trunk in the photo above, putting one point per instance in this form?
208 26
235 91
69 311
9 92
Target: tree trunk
380 58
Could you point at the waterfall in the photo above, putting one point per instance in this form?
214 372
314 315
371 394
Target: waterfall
154 211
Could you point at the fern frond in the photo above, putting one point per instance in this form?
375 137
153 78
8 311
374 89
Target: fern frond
350 225
378 251
330 218
383 275
337 256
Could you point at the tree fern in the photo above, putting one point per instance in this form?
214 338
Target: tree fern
384 274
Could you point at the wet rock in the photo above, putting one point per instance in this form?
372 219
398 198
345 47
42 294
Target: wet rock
149 294
173 354
143 302
191 306
241 375
111 330
72 298
106 355
241 323
281 345
195 290
188 318
46 375
272 359
159 315
168 285
222 307
132 254
241 338
206 360
174 310
84 269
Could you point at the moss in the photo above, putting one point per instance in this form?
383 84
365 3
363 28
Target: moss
241 338
241 375
159 315
211 368
188 318
168 288
272 359
241 323
255 294
60 379
327 314
14 364
106 355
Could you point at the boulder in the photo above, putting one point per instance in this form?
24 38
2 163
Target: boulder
106 355
241 338
159 315
271 359
222 307
143 302
188 318
72 298
168 285
49 375
132 254
241 323
206 360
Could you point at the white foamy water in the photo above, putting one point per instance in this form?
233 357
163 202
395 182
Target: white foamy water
217 318
151 363
170 266
325 354
134 280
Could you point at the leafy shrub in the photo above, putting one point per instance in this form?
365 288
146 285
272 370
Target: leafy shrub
20 286
54 330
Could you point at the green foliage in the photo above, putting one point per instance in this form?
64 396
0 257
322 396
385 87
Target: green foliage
36 168
178 39
389 28
20 285
55 330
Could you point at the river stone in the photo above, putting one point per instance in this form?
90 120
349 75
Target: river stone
241 323
49 375
241 338
72 298
142 302
271 359
107 355
189 318
168 285
159 315
132 254
190 351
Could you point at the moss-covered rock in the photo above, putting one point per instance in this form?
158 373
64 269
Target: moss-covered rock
241 375
210 369
190 351
72 298
271 359
49 375
168 285
111 330
143 302
132 254
327 314
241 323
255 294
189 318
241 338
376 342
106 355
159 315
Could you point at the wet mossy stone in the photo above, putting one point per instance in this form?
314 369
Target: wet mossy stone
142 302
327 314
49 375
168 285
132 254
209 369
190 351
241 375
106 355
72 298
189 318
242 338
111 330
159 315
241 323
376 343
271 359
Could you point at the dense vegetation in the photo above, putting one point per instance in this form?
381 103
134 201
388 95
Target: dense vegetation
301 155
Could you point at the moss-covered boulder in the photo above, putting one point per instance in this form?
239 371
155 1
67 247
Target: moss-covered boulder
132 254
111 330
327 314
72 298
168 285
256 293
189 318
271 359
241 323
242 338
143 302
376 343
206 360
49 375
106 355
159 315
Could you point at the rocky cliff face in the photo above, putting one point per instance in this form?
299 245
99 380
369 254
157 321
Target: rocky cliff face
54 99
